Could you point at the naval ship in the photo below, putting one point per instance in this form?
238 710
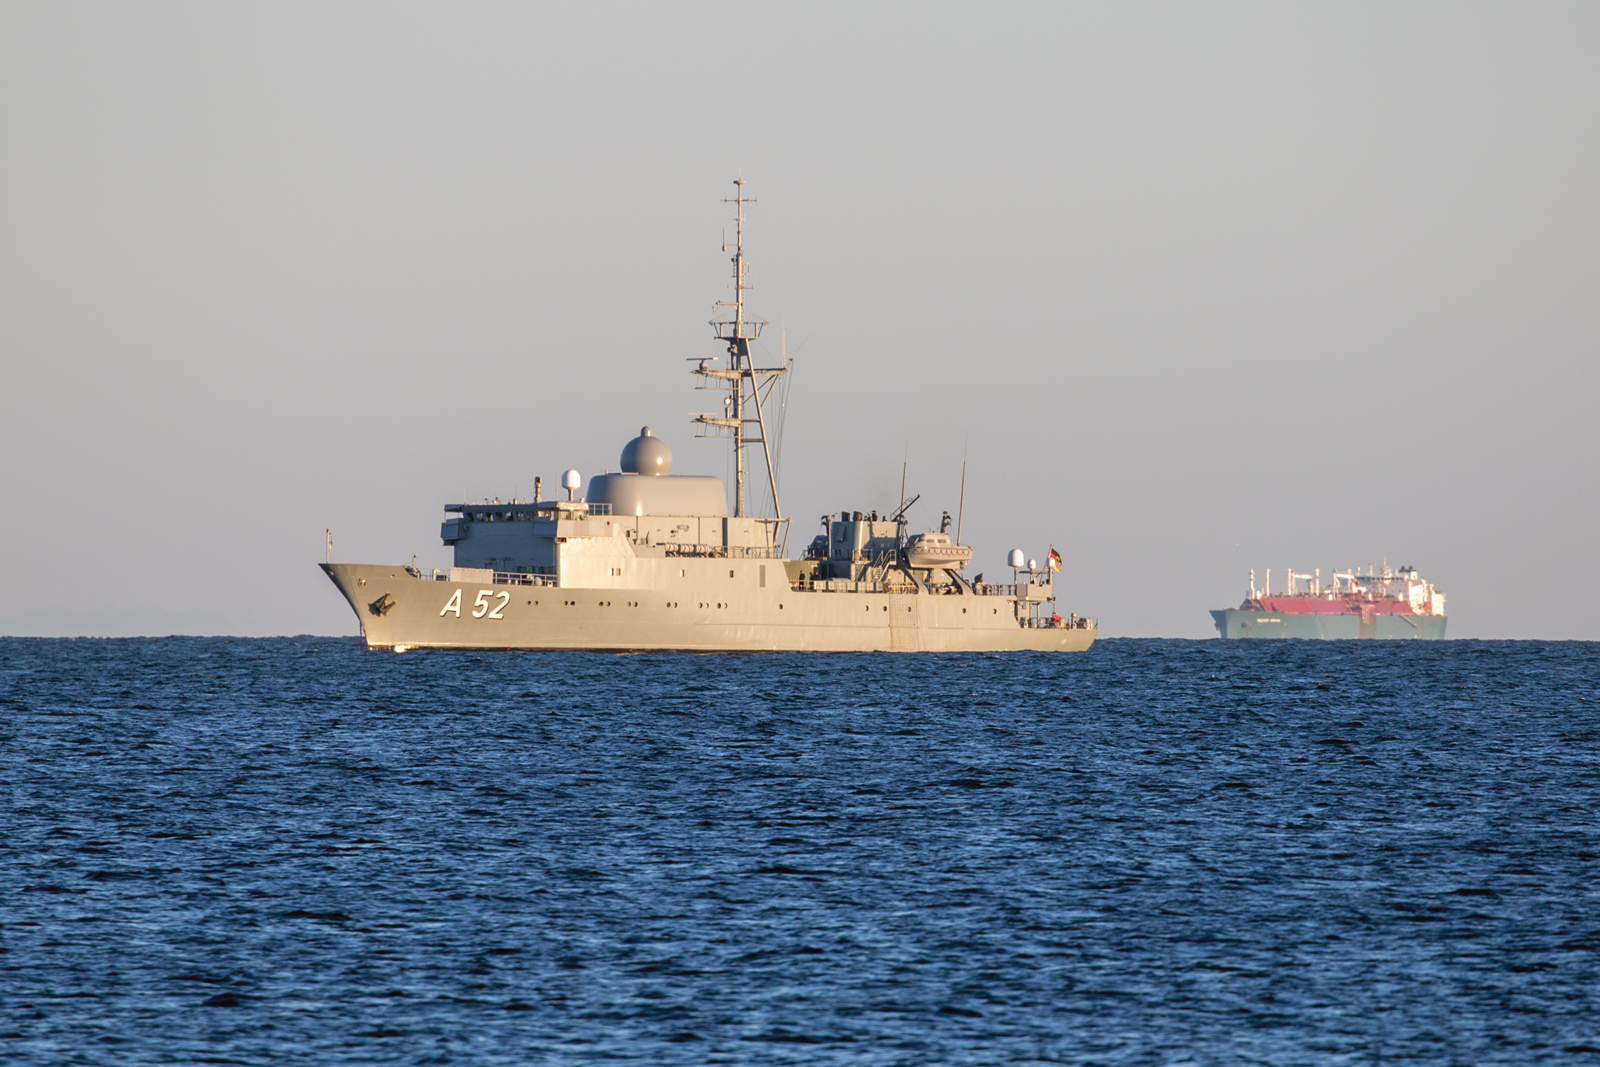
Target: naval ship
651 560
1381 604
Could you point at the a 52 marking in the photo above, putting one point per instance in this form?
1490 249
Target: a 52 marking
480 607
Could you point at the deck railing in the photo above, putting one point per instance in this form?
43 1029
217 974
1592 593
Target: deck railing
997 589
523 578
1071 622
847 585
721 551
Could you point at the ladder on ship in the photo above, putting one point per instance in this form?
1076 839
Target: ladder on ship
905 632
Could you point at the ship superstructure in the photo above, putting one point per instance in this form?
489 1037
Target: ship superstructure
1379 604
649 559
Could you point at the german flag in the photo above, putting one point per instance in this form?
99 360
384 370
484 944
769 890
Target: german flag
1055 560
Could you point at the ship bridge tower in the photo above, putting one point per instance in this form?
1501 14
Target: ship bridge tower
747 386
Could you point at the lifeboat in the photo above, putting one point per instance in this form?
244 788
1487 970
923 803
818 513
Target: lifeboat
932 550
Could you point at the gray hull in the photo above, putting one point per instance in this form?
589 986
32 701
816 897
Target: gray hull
1234 623
693 605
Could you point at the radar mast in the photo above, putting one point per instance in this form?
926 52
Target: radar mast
745 383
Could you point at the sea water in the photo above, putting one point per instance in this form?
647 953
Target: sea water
1159 852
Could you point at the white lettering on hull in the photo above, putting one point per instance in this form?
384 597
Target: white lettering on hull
481 607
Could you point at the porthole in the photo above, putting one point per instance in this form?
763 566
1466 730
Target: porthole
963 611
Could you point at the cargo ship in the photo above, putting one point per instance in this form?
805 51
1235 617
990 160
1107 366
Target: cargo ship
1381 604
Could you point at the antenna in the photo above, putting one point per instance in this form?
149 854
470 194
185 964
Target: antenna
738 332
327 552
961 508
905 459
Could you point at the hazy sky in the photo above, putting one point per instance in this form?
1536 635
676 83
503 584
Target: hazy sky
1197 287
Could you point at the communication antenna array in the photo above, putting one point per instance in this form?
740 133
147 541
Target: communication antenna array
746 384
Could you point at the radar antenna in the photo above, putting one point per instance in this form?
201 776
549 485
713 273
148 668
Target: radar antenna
746 383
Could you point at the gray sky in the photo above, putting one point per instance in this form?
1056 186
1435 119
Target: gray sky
1197 287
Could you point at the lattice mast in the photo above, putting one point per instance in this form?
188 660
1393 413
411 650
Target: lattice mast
743 380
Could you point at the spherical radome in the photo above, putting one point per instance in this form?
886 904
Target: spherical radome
646 454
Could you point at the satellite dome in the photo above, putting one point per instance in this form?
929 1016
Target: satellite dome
646 455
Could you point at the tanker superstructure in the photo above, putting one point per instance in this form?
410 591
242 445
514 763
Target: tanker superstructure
651 560
1381 604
